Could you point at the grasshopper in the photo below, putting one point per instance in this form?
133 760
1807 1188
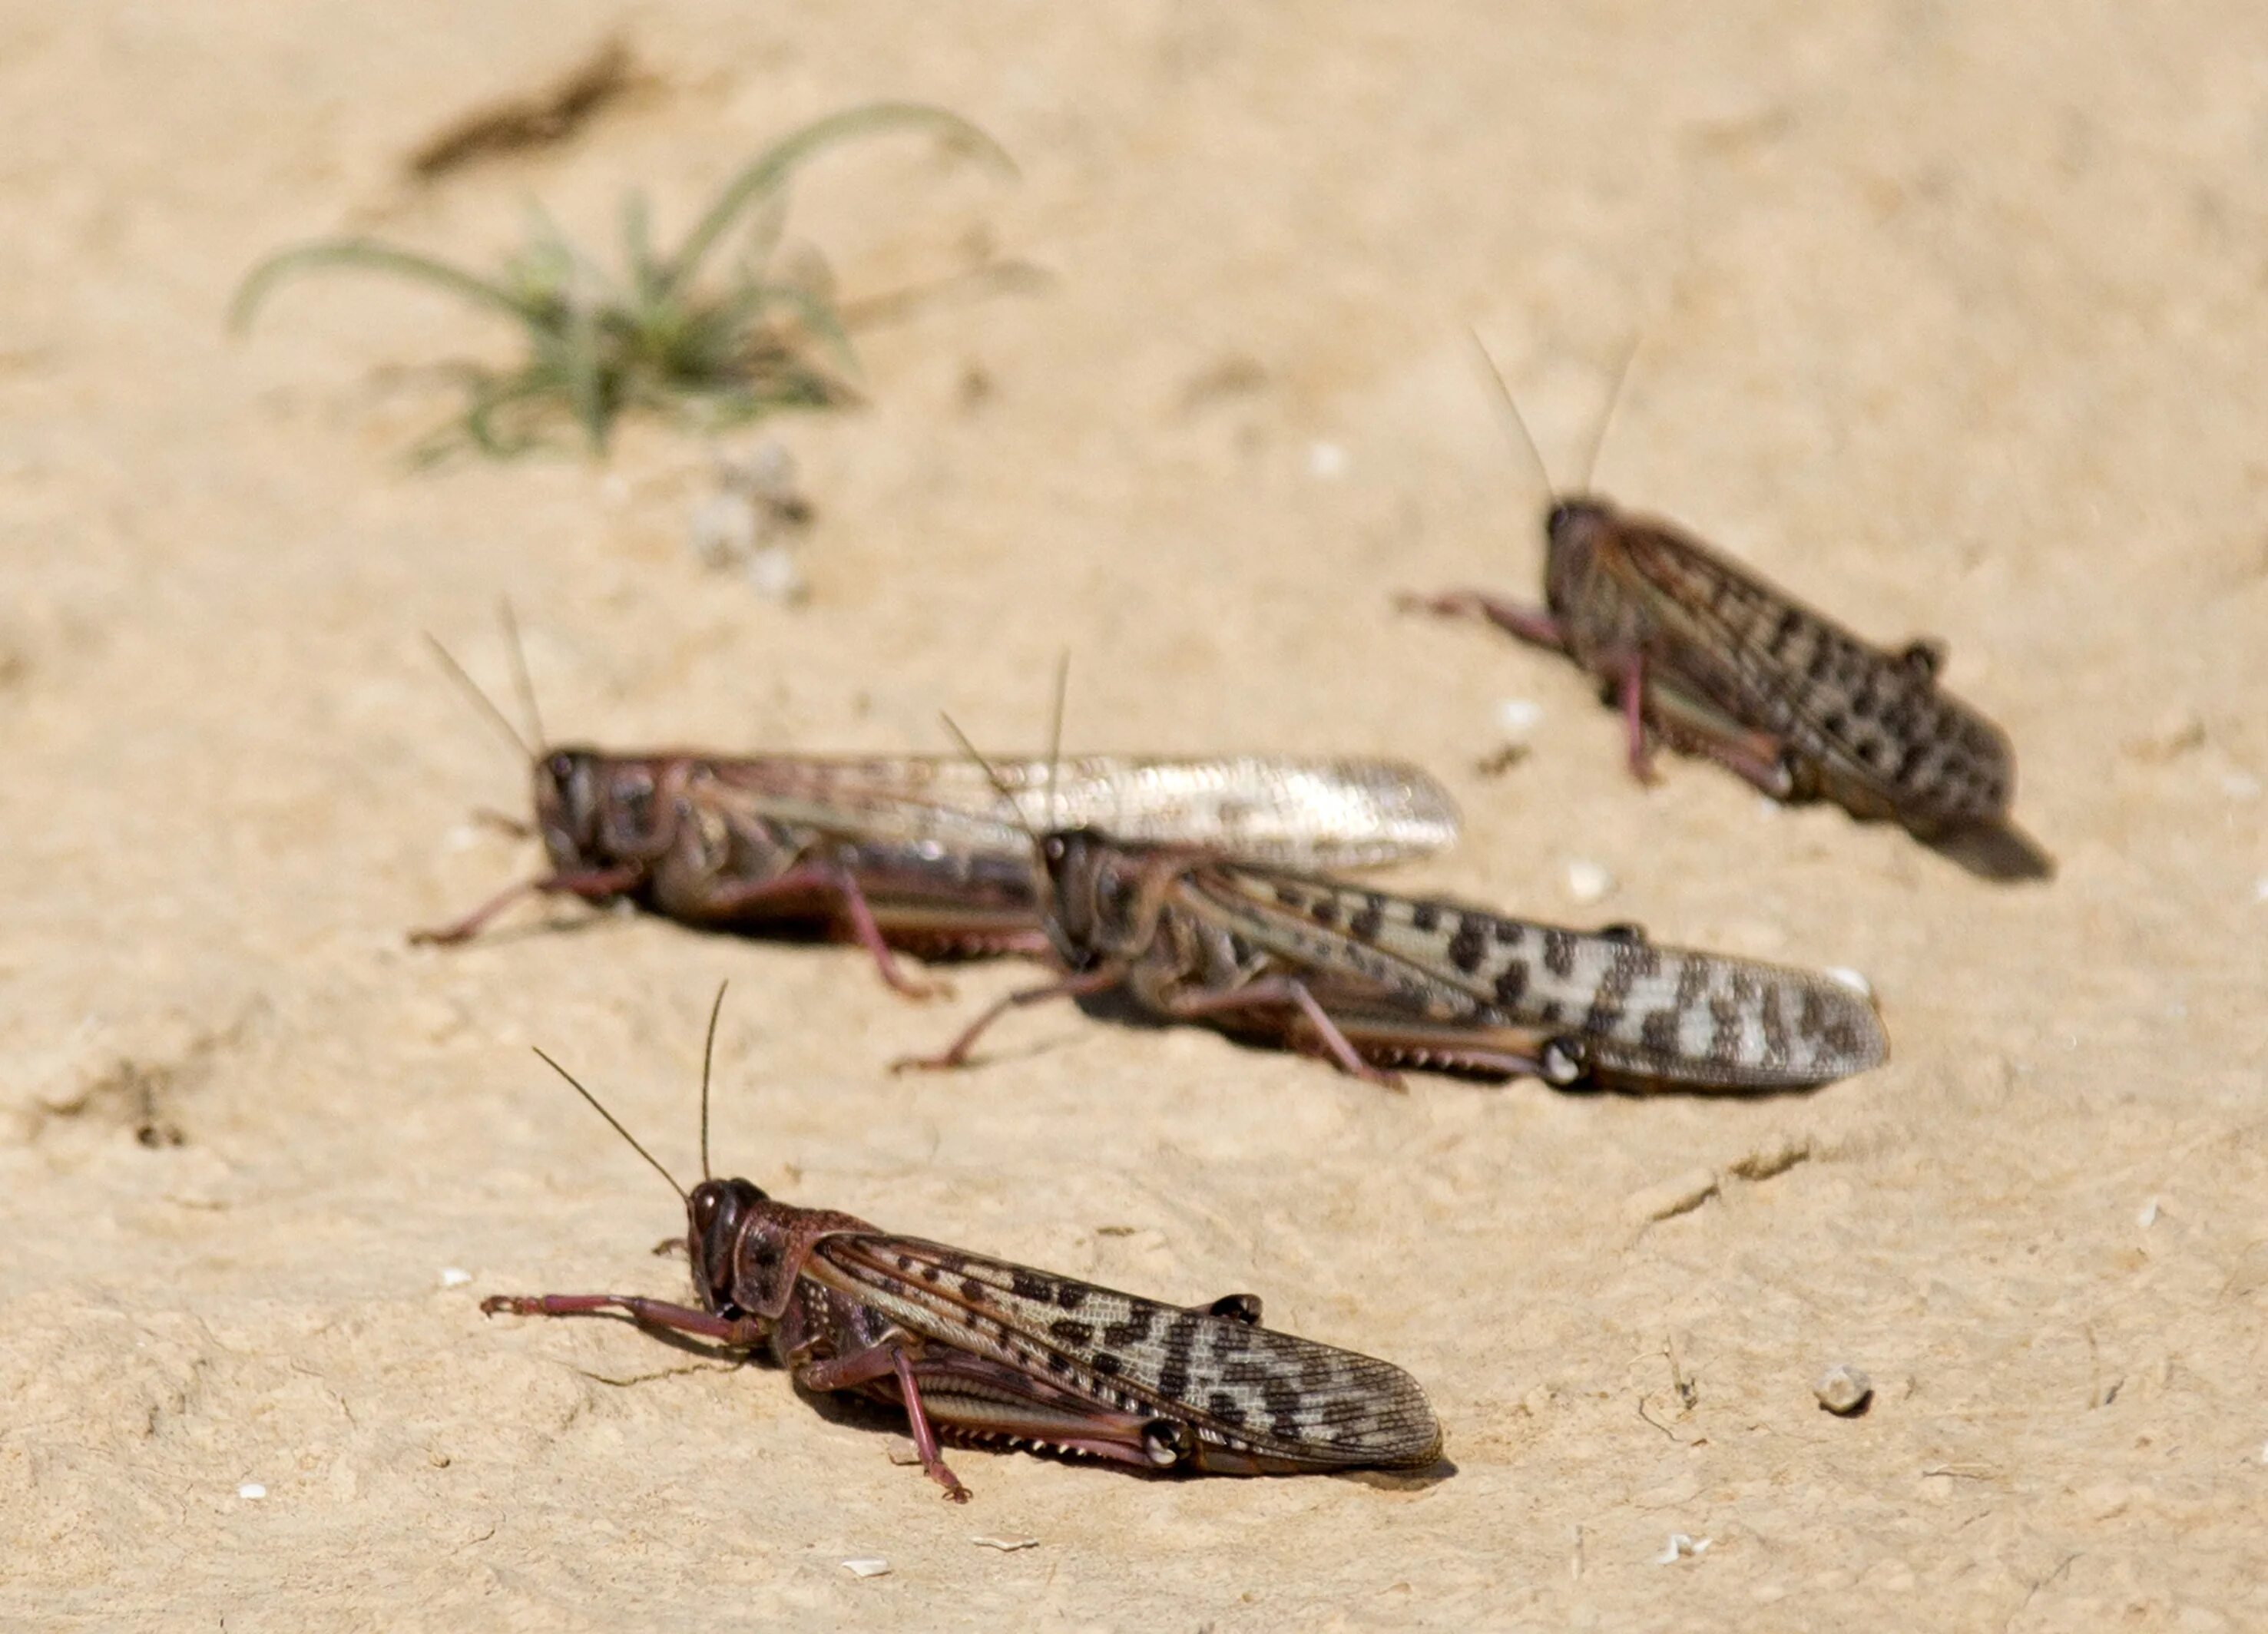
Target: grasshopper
909 852
1375 979
989 1352
1708 657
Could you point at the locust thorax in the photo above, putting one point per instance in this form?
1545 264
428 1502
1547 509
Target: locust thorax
569 803
728 1229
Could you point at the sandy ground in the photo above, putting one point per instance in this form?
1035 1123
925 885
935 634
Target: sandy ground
1954 322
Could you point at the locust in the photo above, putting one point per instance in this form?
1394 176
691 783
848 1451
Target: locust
991 1353
909 852
1708 657
1376 981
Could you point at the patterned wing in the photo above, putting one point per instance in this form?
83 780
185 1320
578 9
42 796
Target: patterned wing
1643 1011
1868 718
1258 808
1246 1388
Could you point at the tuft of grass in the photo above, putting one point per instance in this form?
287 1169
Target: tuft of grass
661 339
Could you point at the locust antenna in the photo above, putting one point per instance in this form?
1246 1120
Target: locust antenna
708 1059
1000 784
1614 397
615 1121
520 678
1512 411
481 700
1055 732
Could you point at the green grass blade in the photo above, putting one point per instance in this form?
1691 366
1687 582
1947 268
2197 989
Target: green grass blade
368 255
772 167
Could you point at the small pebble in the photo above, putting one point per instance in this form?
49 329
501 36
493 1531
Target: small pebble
1681 1547
2241 785
1844 1390
2260 889
1326 459
252 1490
1006 1545
867 1566
452 1278
2148 1216
1516 718
1587 881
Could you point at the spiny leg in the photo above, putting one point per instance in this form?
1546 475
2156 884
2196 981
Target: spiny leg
1272 992
842 1373
591 884
741 1332
1100 980
1532 625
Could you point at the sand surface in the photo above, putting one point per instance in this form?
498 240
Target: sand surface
1954 322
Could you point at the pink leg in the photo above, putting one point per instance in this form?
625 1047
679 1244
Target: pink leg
865 1367
865 930
1101 980
1631 687
1530 624
1274 991
652 1313
590 884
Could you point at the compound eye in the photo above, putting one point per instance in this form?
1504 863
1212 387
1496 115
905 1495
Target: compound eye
1053 849
704 1211
560 767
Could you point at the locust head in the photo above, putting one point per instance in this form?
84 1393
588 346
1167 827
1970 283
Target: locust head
1075 881
1575 529
570 791
727 1238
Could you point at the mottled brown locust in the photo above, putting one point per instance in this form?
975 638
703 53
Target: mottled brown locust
911 852
989 1352
1707 657
1376 981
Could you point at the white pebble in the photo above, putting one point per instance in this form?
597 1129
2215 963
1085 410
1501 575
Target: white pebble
2260 889
1680 1547
1587 881
1006 1545
452 1278
2240 786
1517 718
1851 979
1326 459
1844 1390
867 1566
2148 1216
250 1490
774 574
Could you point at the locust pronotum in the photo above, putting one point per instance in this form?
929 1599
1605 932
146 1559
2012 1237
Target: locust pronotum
1375 979
985 1351
908 852
1706 656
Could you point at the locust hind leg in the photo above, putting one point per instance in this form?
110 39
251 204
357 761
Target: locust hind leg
1532 625
592 885
729 901
955 1055
1758 758
1274 992
882 1361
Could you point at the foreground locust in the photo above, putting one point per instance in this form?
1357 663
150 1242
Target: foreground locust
1715 661
986 1352
1376 981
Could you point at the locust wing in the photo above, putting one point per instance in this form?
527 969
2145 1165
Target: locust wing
1258 1394
1312 813
1642 1011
